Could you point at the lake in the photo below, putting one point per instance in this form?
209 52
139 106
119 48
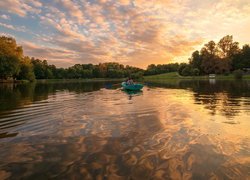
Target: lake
170 130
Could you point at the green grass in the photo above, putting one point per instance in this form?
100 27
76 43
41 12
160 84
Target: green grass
172 75
175 75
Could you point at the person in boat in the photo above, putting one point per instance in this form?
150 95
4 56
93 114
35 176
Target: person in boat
129 81
126 81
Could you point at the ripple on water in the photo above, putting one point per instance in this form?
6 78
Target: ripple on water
161 133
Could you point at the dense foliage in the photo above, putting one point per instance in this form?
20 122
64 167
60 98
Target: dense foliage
14 65
10 55
238 74
161 68
223 57
103 70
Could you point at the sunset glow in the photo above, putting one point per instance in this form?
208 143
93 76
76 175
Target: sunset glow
133 32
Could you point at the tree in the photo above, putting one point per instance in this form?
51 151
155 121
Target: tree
60 73
39 68
227 48
181 67
96 72
9 47
42 70
238 74
161 68
87 73
10 56
54 71
196 60
242 59
26 70
78 71
209 57
246 56
151 69
48 74
137 75
188 71
9 66
196 72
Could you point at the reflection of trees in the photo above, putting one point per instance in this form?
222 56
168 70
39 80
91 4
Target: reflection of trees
111 146
77 87
18 95
15 96
221 96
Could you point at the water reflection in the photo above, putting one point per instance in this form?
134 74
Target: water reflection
18 95
131 94
174 130
224 97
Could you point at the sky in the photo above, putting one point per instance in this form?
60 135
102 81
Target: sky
131 32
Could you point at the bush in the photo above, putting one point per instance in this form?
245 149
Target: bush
238 74
187 71
195 72
226 73
137 75
182 66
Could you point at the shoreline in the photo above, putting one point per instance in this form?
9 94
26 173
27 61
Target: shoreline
13 81
159 77
60 80
176 76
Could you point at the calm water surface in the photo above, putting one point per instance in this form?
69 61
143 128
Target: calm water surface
170 130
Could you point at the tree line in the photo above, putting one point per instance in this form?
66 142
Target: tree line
102 70
14 65
223 57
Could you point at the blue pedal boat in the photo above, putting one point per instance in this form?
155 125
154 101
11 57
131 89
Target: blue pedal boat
132 87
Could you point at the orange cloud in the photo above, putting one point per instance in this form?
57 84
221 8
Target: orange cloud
137 32
73 9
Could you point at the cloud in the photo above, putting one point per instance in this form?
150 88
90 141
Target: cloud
35 3
13 6
58 56
20 7
6 17
64 27
136 32
7 26
124 2
14 28
73 9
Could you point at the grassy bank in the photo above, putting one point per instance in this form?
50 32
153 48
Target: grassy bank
175 75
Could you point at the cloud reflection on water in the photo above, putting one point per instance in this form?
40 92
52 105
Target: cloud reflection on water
163 133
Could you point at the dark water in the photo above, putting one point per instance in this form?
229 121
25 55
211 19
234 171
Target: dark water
170 130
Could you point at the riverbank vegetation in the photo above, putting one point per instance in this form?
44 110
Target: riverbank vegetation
225 59
15 66
176 76
222 58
